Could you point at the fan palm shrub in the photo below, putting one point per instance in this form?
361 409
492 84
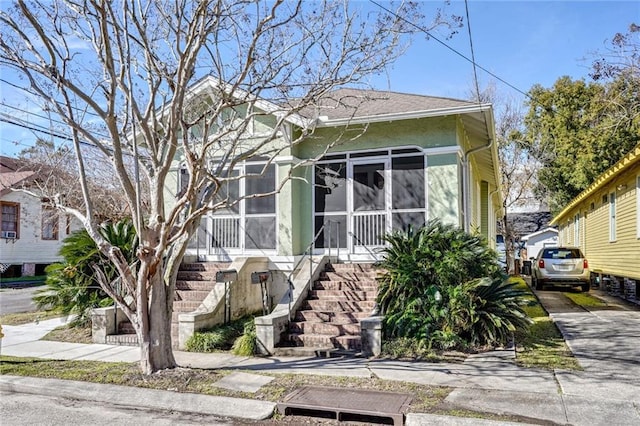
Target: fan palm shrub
445 288
71 287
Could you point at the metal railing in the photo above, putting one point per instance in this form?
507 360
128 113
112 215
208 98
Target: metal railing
309 253
366 247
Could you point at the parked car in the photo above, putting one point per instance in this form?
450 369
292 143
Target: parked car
564 266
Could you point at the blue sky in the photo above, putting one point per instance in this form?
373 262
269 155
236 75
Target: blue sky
523 42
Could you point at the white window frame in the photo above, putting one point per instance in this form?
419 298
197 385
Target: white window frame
576 230
612 217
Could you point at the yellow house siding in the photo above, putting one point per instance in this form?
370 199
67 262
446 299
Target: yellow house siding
620 257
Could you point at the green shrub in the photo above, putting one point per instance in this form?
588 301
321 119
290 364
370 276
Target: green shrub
445 288
221 337
71 286
247 344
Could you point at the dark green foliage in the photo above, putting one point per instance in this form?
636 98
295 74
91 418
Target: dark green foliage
576 130
444 287
221 337
71 287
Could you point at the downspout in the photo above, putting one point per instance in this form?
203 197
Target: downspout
466 179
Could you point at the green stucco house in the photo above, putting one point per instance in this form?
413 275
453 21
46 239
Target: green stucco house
375 161
339 176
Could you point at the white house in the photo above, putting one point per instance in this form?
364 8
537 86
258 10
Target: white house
536 241
31 232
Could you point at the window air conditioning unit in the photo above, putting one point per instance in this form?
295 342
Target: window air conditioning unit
9 234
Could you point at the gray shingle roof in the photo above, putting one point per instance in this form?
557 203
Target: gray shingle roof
355 103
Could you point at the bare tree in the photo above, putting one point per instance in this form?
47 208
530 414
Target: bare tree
55 172
126 77
518 169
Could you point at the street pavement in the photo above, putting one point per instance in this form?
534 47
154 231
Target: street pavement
606 392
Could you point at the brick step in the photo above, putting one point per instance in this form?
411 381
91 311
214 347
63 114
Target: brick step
335 317
348 276
319 340
122 339
182 306
205 266
342 295
325 328
337 305
191 295
346 285
195 285
197 276
349 267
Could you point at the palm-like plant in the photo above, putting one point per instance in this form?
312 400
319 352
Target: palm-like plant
71 285
445 287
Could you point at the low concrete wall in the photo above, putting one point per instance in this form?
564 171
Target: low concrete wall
245 299
104 321
269 328
371 336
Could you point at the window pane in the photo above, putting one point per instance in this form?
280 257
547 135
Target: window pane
402 221
260 185
368 187
49 224
332 233
260 233
229 193
10 217
331 187
408 183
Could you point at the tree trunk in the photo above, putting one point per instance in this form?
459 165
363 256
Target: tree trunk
154 331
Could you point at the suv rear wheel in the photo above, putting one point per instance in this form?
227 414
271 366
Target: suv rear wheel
585 287
536 283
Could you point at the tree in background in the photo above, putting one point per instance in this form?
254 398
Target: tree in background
57 174
518 169
119 75
578 129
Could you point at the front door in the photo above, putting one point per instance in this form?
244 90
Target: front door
370 199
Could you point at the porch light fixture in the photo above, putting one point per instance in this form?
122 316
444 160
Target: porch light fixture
621 187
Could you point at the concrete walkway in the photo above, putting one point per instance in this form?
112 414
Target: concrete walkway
607 392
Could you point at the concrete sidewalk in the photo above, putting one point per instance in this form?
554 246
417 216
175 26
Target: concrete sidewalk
489 382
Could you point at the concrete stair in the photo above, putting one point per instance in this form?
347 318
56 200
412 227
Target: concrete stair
194 283
329 319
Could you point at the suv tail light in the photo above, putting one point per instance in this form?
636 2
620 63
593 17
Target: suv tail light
541 263
585 264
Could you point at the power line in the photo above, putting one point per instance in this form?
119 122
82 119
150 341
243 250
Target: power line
473 57
451 48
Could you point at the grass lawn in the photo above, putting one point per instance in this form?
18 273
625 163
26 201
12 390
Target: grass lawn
27 317
39 278
542 346
585 300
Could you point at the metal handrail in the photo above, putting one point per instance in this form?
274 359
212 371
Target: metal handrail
309 252
359 241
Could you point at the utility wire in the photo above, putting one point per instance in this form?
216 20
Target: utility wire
473 56
451 48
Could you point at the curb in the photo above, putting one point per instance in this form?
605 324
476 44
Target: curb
153 399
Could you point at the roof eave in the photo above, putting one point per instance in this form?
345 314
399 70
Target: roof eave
621 166
379 118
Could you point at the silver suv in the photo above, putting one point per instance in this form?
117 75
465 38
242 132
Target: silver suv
561 266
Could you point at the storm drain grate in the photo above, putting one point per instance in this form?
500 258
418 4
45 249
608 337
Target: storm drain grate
347 404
